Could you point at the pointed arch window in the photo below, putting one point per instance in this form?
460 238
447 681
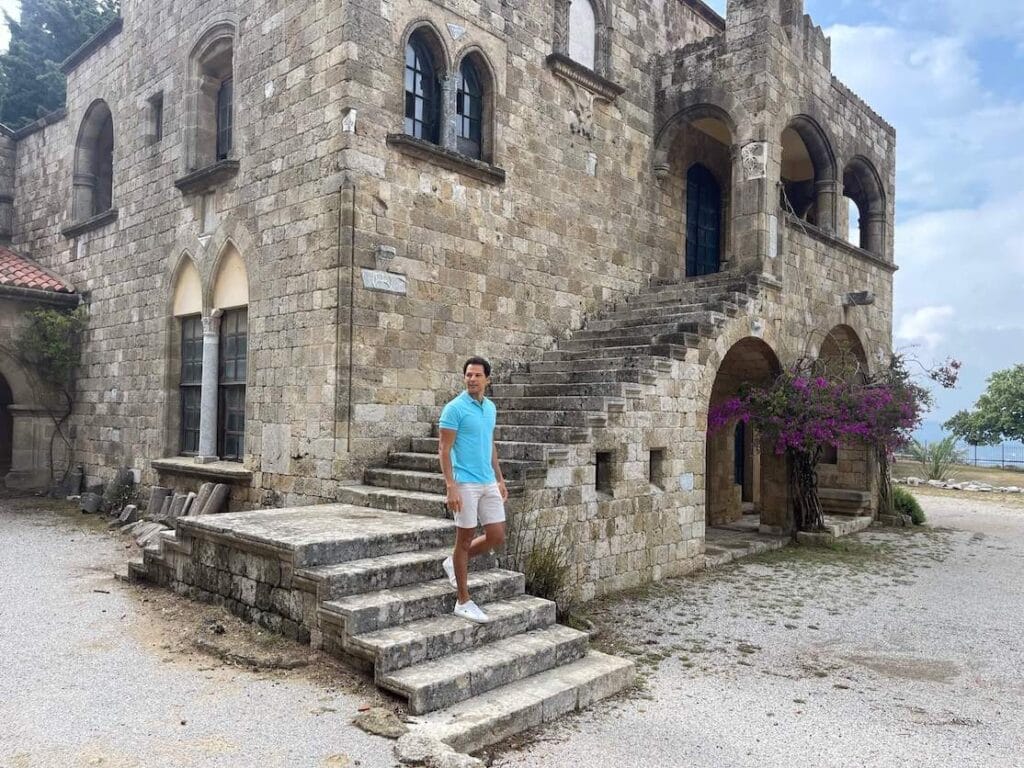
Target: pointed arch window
470 110
583 33
703 222
422 90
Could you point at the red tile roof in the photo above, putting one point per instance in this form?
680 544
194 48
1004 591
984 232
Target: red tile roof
18 271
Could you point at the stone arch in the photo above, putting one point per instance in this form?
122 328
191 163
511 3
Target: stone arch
186 308
841 347
435 41
687 114
863 185
764 488
186 294
93 181
488 82
231 231
808 173
229 286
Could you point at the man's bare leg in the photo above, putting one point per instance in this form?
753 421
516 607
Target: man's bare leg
467 547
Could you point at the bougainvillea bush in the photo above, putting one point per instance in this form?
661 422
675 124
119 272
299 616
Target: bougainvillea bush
805 409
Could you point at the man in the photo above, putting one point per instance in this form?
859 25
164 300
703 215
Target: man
476 491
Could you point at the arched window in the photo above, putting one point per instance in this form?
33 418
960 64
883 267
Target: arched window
703 222
213 105
469 107
422 90
94 163
808 173
583 33
863 188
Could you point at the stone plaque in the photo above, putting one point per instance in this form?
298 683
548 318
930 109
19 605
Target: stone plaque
686 481
754 159
388 282
456 31
773 236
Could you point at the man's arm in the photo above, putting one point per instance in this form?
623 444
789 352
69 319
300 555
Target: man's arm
444 450
497 471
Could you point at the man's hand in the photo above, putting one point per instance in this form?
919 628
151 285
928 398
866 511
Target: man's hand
454 500
503 490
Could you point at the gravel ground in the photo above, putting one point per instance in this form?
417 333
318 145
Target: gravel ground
93 674
898 648
902 648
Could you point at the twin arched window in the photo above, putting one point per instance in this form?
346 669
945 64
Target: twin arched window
427 109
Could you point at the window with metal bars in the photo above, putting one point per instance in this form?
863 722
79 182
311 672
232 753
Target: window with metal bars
469 108
225 99
191 382
233 368
422 91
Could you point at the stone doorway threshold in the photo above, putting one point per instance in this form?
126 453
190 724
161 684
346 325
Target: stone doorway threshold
741 538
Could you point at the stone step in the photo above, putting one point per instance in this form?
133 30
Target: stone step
640 375
357 576
560 403
426 639
613 389
682 332
395 500
429 462
532 454
609 358
550 418
625 318
405 479
503 712
441 683
529 434
320 534
371 611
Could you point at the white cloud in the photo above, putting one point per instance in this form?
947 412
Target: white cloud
925 325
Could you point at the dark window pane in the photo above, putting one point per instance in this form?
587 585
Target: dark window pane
231 399
469 106
422 93
703 222
225 99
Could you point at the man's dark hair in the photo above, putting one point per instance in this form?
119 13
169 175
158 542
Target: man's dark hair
477 361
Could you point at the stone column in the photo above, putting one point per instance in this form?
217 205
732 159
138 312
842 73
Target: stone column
872 233
448 114
826 192
208 392
84 189
776 504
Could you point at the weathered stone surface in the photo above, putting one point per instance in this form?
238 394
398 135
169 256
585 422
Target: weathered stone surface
90 502
382 722
157 494
215 501
415 748
129 514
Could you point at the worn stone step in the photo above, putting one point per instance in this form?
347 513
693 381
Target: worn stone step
627 375
320 534
502 712
532 434
647 325
443 682
380 609
547 418
612 389
429 462
426 639
530 454
396 500
608 366
563 403
357 576
405 479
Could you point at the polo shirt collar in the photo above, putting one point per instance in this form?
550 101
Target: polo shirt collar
469 399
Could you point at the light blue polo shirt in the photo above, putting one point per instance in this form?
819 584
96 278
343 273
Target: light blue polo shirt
473 423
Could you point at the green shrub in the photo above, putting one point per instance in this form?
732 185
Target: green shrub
904 503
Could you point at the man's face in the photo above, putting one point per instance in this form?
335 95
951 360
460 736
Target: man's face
476 380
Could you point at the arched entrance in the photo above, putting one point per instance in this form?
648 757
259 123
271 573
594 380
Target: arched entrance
6 427
746 484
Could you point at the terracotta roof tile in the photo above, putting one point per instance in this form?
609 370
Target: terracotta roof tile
21 272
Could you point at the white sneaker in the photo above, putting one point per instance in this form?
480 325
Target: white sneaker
471 612
449 570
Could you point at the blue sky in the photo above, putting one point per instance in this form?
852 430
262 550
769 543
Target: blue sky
946 74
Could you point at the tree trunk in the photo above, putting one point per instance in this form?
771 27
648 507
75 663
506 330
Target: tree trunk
885 504
809 514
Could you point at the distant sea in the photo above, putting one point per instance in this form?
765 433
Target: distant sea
1008 453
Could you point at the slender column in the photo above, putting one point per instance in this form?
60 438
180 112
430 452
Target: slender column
825 195
872 233
448 114
208 392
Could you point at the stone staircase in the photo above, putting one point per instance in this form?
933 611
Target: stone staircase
363 578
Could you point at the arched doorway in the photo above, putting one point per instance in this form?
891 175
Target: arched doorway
6 427
746 485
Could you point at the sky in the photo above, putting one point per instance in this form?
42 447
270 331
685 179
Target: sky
946 74
12 7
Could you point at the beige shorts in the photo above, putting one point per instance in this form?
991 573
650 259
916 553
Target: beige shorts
481 503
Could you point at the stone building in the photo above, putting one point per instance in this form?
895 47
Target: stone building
292 221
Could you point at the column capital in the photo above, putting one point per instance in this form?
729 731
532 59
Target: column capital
211 322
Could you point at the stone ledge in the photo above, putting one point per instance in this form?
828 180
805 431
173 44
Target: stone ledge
76 228
224 471
446 158
583 76
207 178
828 238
